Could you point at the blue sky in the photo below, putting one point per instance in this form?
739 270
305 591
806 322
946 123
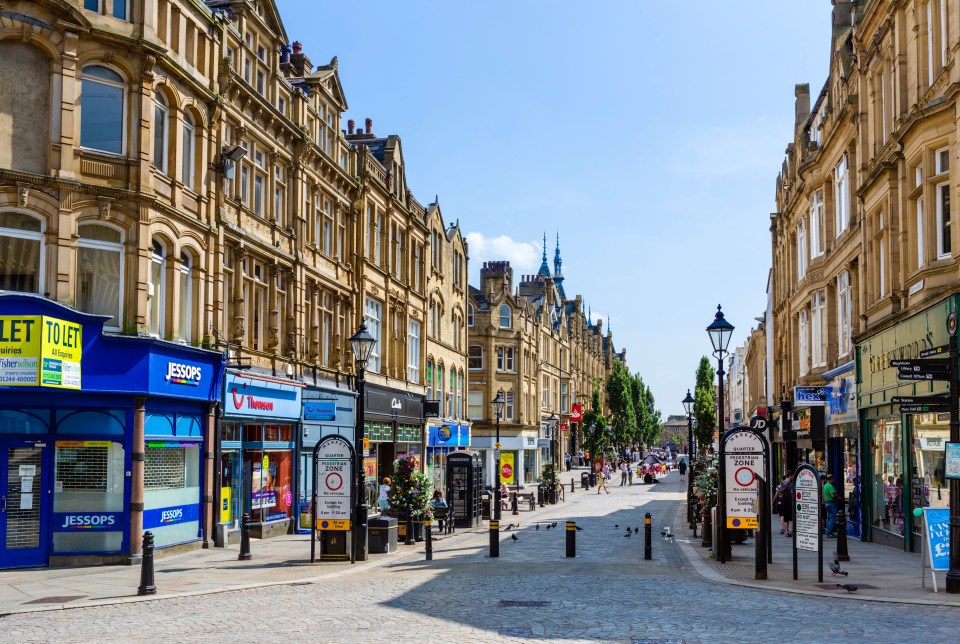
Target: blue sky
648 134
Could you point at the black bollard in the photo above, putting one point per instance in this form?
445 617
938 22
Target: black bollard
245 539
647 534
409 540
147 586
514 502
760 534
841 527
707 530
571 538
573 487
428 538
494 538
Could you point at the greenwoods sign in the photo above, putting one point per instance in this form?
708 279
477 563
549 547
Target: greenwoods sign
905 341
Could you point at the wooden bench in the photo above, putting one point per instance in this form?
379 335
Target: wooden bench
446 516
528 499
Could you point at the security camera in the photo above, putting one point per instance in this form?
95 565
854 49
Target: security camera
235 153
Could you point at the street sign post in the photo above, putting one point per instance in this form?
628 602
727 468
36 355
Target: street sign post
744 454
332 504
806 529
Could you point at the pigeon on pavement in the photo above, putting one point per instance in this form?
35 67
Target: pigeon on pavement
548 526
553 525
508 528
616 525
636 530
628 535
578 528
514 537
538 526
850 588
835 568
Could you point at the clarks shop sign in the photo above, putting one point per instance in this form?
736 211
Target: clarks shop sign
905 341
393 403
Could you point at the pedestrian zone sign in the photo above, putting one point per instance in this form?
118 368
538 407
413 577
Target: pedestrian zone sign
744 466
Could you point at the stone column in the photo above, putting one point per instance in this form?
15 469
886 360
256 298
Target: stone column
137 456
209 442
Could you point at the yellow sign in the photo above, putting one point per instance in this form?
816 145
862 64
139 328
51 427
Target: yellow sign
506 468
498 445
84 443
366 443
41 351
333 524
266 463
743 523
225 505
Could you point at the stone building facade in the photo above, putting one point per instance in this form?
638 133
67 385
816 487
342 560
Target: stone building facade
864 269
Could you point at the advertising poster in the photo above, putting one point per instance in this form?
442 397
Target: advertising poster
506 468
953 461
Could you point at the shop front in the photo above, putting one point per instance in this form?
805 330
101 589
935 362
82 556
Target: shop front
903 455
393 427
843 441
261 419
520 452
443 437
327 410
101 438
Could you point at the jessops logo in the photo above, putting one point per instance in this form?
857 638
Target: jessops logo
171 516
183 374
88 521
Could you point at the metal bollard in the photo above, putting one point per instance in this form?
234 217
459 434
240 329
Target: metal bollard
147 586
513 504
707 530
409 539
647 530
494 538
573 487
245 539
428 538
571 538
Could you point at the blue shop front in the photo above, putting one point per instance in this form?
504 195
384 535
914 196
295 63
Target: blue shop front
101 437
444 435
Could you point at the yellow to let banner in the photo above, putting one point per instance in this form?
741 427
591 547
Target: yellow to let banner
507 469
40 351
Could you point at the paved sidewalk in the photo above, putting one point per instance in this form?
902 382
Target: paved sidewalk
880 572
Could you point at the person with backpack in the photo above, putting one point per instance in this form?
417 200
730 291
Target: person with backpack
683 470
783 503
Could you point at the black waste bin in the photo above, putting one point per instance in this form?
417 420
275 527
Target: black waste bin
593 479
585 480
552 494
541 494
383 535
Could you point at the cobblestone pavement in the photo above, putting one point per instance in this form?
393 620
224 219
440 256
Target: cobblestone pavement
531 593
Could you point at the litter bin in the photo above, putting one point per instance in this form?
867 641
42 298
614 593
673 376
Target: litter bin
593 479
552 494
585 480
485 506
541 494
383 535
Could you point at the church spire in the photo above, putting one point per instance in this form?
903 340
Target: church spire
557 262
589 315
544 267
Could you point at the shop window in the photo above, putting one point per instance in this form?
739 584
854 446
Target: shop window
90 422
23 422
931 433
101 110
100 272
271 479
88 497
189 426
230 432
159 425
21 252
171 496
888 511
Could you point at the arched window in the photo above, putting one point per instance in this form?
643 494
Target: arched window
155 293
100 272
506 321
186 298
429 379
440 391
101 110
189 151
160 115
21 253
470 315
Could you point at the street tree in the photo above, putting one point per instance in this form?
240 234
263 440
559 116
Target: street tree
704 406
595 438
624 420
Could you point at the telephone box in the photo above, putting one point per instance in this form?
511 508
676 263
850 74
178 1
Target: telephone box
465 487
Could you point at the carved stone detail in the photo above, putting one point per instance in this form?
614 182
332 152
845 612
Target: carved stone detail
23 194
106 203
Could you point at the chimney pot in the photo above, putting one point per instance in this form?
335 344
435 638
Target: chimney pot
350 125
297 47
368 123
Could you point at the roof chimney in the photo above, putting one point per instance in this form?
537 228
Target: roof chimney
297 47
350 125
368 123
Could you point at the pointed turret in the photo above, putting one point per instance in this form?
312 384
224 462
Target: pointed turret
544 267
558 271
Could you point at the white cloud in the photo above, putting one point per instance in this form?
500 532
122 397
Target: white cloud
524 257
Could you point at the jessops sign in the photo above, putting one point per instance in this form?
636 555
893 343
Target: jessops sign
246 395
87 521
40 351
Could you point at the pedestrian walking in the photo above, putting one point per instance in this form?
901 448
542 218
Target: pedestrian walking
831 505
783 502
567 459
606 471
683 470
384 492
580 457
602 481
623 473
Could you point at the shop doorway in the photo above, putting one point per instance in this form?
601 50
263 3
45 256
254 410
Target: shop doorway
23 504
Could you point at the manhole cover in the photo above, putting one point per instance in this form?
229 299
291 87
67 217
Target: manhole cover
513 603
56 599
516 631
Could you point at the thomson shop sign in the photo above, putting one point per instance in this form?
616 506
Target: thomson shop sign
247 395
810 396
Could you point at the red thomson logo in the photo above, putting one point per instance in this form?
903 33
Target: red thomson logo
252 403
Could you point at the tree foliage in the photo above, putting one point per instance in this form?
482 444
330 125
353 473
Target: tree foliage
619 396
595 438
704 406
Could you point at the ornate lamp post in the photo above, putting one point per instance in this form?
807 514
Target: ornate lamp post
498 404
688 407
720 332
362 343
552 424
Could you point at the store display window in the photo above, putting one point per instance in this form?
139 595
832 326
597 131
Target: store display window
888 510
88 508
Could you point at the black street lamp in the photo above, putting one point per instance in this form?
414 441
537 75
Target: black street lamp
498 404
688 407
552 424
362 344
720 332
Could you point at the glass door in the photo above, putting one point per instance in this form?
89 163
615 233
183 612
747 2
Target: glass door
22 483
